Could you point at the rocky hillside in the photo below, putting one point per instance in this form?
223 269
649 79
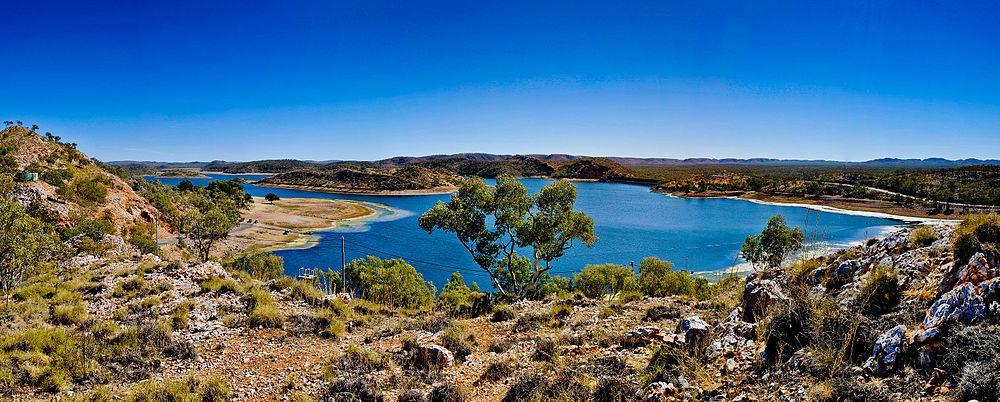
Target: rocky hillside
516 166
70 183
897 318
355 179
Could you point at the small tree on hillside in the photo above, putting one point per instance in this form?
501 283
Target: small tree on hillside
493 222
770 248
185 185
271 197
23 244
204 229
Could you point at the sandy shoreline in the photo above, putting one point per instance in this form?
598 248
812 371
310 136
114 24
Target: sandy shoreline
873 214
827 208
433 191
291 223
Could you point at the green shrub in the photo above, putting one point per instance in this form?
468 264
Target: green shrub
179 318
977 233
561 310
69 313
263 310
389 282
91 191
355 359
922 236
497 371
95 229
219 285
330 323
262 266
144 243
460 300
307 292
57 177
459 339
658 279
502 312
189 389
604 279
130 288
881 291
48 358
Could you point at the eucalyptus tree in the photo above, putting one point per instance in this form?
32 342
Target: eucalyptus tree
493 223
770 248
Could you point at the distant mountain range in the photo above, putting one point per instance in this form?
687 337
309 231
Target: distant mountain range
472 159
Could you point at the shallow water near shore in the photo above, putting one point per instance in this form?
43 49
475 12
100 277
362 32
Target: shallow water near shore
699 235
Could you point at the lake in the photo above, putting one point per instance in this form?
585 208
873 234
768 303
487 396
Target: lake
696 234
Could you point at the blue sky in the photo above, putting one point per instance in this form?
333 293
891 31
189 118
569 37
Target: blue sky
178 81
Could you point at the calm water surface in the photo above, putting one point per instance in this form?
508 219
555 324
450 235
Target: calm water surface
631 222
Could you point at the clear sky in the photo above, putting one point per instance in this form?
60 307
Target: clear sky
203 80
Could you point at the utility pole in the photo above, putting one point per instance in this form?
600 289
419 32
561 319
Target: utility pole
343 264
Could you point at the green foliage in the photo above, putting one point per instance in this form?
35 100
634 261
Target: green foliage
977 233
91 191
24 243
271 197
166 200
131 288
391 283
354 359
95 229
179 318
262 266
459 339
230 190
330 322
881 291
308 292
192 388
922 236
57 177
48 358
144 243
658 279
493 222
69 313
185 185
458 299
206 228
263 309
604 279
219 285
770 248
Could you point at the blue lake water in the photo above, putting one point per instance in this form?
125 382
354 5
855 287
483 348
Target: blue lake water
630 221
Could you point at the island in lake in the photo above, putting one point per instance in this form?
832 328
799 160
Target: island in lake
351 179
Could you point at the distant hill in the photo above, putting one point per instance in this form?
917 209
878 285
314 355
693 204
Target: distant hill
359 179
478 162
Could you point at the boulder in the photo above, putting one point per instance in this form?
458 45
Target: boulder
642 336
659 392
886 351
434 356
694 329
844 273
963 304
977 270
758 294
